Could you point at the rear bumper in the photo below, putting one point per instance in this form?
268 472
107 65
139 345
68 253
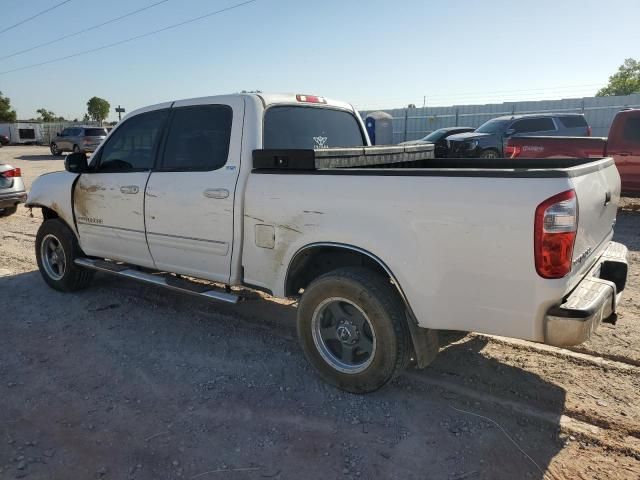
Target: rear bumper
11 199
592 302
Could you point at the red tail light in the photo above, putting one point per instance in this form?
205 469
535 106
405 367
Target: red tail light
16 172
588 130
310 99
556 223
512 151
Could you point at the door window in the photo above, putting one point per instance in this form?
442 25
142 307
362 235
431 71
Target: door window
531 125
132 145
198 138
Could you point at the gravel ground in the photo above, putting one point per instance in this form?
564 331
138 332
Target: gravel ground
127 381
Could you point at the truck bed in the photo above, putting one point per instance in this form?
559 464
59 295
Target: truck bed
344 162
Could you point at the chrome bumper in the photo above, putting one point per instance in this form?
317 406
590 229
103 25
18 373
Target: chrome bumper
592 302
11 199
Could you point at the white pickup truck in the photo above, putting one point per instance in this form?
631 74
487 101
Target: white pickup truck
382 246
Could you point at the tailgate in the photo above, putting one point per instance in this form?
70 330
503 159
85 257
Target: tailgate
598 194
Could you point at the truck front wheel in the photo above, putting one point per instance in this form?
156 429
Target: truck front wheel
352 328
56 250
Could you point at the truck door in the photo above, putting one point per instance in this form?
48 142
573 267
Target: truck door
624 147
189 199
108 201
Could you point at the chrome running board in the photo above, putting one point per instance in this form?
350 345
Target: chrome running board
162 280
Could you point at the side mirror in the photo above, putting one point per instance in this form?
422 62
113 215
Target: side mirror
509 132
76 163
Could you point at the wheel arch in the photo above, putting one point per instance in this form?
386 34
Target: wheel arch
315 259
50 212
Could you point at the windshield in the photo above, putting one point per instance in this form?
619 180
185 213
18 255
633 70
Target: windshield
434 136
493 126
310 128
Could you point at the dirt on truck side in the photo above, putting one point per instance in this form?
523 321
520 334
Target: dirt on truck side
127 381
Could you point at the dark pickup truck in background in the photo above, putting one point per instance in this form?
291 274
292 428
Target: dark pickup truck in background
488 140
623 144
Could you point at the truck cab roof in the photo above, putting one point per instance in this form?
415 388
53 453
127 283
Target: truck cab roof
267 100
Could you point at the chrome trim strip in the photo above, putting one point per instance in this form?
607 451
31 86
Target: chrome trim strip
109 226
187 238
152 233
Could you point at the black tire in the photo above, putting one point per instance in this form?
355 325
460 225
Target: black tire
370 294
54 150
490 153
76 149
70 277
5 212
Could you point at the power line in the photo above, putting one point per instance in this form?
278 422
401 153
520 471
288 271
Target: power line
55 40
130 39
34 16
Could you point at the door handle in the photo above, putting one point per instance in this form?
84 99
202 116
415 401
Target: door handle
129 189
624 154
218 193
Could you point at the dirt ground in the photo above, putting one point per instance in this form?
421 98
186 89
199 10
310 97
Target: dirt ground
127 381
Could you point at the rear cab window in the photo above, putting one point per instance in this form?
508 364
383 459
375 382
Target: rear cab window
305 127
573 121
95 132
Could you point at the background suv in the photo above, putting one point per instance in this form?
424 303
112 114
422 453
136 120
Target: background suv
488 140
77 139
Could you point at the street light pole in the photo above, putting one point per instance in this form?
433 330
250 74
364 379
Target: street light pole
120 111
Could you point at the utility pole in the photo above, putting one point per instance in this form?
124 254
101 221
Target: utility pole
424 101
120 111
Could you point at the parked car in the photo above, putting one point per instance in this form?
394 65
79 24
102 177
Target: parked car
439 139
487 141
623 144
11 189
77 139
233 189
4 140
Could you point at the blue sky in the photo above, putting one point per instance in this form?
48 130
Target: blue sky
375 53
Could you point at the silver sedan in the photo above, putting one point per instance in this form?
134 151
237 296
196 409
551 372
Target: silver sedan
12 190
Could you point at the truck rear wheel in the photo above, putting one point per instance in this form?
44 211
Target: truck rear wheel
352 328
56 250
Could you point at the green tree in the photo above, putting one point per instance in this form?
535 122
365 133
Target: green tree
98 108
47 115
625 81
6 114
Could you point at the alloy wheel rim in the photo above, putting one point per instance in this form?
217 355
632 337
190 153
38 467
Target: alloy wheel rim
343 335
54 260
